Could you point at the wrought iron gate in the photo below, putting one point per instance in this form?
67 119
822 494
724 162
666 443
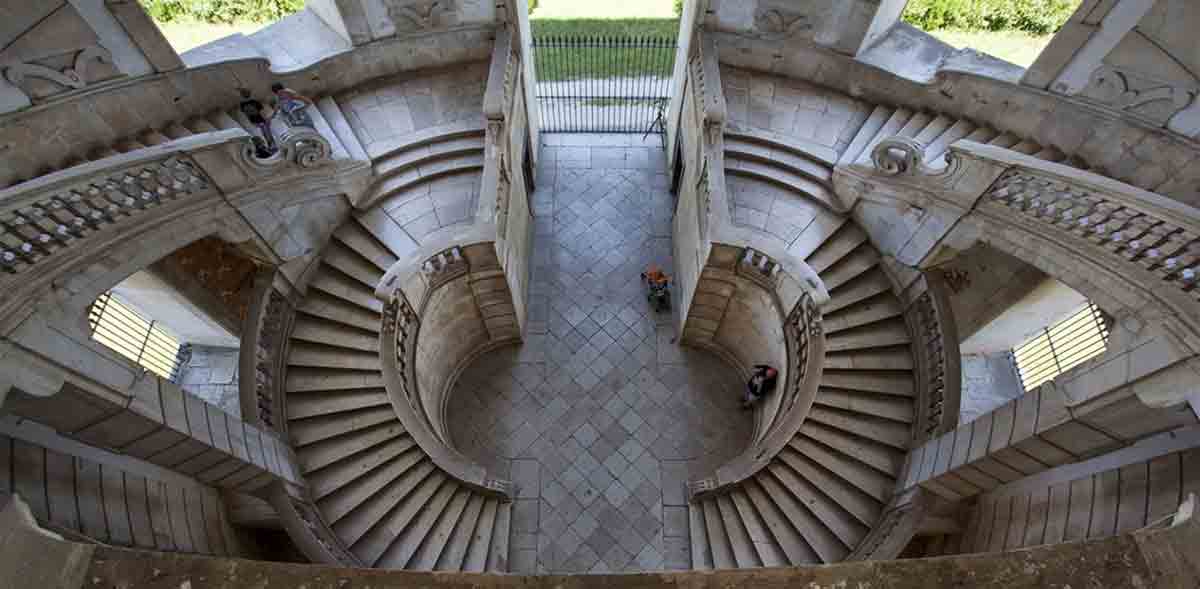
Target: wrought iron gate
603 84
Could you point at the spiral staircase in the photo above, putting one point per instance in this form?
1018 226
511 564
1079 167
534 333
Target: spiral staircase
377 489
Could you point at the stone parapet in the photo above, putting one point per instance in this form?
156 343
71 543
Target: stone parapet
1161 558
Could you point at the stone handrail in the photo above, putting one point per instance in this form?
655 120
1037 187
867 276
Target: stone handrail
706 75
805 340
938 365
501 75
303 523
41 218
397 352
261 356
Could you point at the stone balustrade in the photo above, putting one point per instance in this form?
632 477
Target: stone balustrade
778 421
398 349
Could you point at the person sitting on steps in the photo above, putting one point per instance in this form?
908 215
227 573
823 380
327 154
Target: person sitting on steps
293 105
762 382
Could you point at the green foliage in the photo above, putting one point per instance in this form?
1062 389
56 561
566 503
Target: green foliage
678 5
1031 16
606 27
532 6
220 11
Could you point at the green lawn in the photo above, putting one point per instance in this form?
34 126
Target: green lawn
1019 48
186 35
569 57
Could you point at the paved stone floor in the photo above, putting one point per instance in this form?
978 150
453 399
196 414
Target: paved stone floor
600 417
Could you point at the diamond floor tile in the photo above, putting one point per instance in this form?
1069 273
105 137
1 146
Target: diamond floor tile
601 431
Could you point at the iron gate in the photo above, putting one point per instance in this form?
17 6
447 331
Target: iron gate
603 84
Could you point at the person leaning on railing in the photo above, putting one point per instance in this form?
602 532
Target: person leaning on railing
762 382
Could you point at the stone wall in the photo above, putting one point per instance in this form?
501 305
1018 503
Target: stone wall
384 113
798 110
983 283
111 498
211 373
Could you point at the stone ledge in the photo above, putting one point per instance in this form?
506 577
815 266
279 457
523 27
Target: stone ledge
1162 558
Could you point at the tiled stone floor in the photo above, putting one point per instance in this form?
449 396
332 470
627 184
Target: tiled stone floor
600 417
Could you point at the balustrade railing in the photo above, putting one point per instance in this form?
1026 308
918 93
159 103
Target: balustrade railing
805 339
398 345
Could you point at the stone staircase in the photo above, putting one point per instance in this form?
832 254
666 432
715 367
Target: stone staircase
937 132
327 118
376 488
820 496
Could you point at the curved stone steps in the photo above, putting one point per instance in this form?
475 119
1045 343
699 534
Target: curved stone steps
937 133
820 496
376 489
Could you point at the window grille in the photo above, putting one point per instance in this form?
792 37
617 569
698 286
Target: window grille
133 336
1062 346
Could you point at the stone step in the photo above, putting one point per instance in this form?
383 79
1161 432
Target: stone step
885 333
497 561
861 448
372 547
718 539
865 286
698 535
869 129
749 147
322 427
357 239
340 127
387 231
393 191
859 261
324 403
846 240
332 282
354 495
898 119
334 477
405 546
353 526
896 383
302 353
769 553
883 431
823 542
894 408
868 480
784 177
423 155
340 335
872 310
454 554
315 380
476 557
321 305
789 540
839 522
861 506
935 149
436 541
740 544
349 262
326 452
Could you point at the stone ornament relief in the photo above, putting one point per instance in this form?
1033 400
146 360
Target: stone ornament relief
63 218
60 54
409 16
1141 95
300 146
776 20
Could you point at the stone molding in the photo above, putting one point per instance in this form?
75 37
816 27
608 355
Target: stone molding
1157 558
936 350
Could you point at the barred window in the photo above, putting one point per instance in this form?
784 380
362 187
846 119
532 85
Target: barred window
125 331
1062 346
